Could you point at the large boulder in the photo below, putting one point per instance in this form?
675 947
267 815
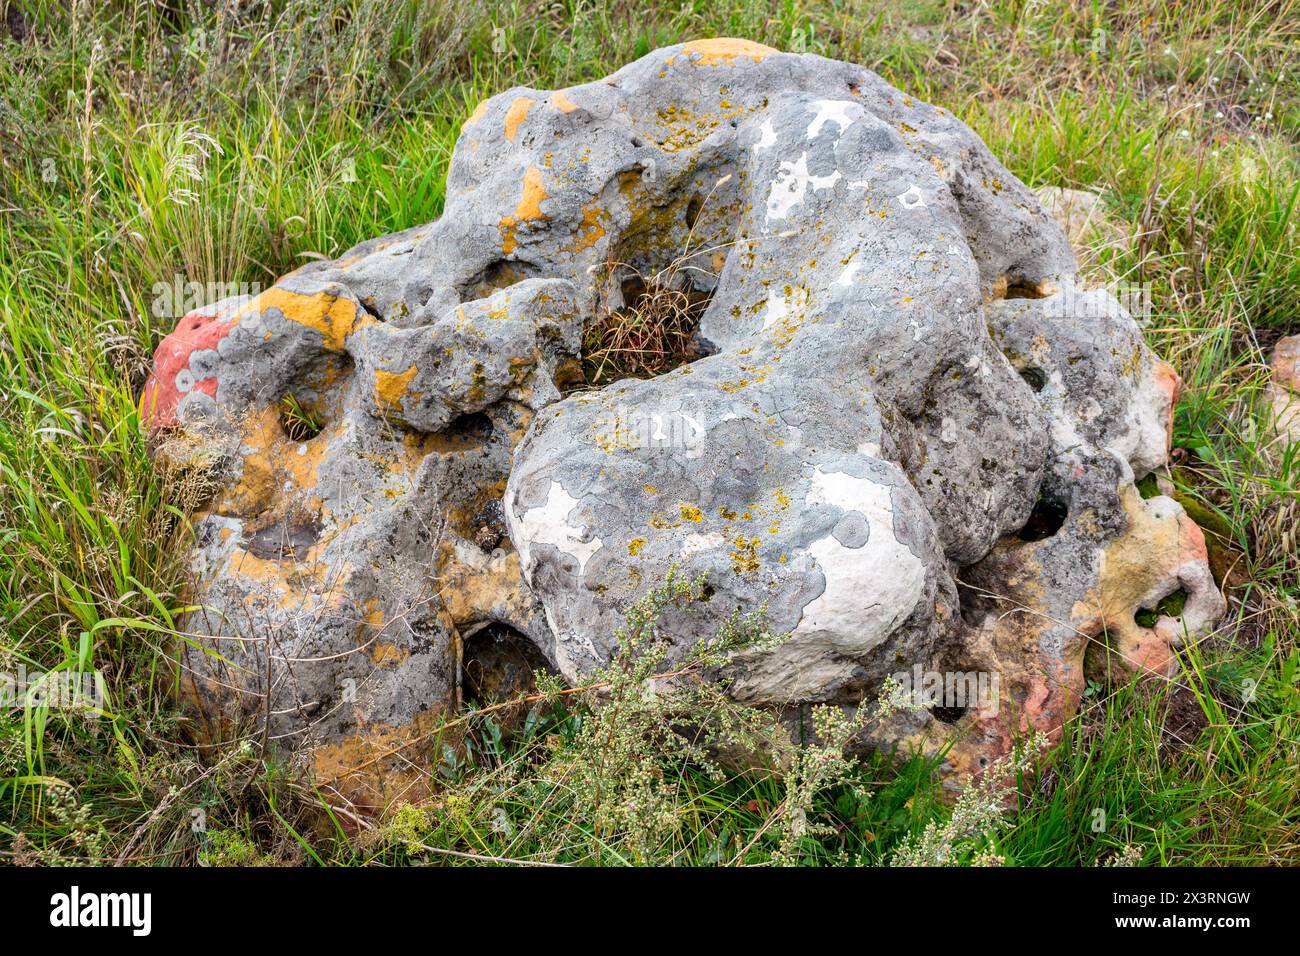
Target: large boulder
906 433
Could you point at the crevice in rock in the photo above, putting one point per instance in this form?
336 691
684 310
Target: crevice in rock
489 524
1045 520
1097 663
1017 289
656 330
694 207
467 432
299 421
1036 378
498 663
947 715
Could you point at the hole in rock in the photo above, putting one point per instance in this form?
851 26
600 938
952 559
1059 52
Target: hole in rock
498 663
1097 662
287 540
479 516
489 525
463 433
1035 377
1149 486
1016 288
1044 521
499 275
299 420
947 715
694 207
656 330
1171 605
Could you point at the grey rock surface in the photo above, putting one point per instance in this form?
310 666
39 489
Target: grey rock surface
910 438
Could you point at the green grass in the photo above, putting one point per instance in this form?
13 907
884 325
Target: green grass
146 141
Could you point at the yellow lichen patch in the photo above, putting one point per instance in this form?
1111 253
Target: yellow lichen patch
516 114
388 655
635 545
477 115
691 513
391 386
744 555
562 102
590 229
721 51
531 197
333 317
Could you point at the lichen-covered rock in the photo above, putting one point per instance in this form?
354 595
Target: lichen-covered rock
901 440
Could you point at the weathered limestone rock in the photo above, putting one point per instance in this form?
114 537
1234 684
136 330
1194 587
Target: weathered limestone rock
901 441
1286 390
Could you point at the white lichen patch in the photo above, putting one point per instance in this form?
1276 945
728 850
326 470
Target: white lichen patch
549 524
832 111
791 184
869 589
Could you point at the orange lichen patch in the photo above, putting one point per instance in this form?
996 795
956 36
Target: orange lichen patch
516 114
722 51
274 469
479 112
284 582
333 317
374 615
390 387
380 765
1169 385
474 590
529 209
532 196
589 230
562 102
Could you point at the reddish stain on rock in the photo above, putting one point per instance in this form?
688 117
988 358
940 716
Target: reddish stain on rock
162 392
